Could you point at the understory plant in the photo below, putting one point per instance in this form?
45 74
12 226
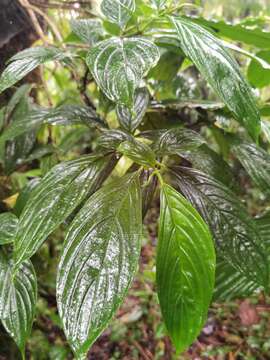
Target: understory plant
163 95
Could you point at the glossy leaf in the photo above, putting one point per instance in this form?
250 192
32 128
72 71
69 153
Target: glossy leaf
111 139
256 161
25 61
139 152
185 268
62 115
220 70
55 198
131 119
100 257
236 235
118 65
178 141
8 227
230 283
118 11
18 295
88 30
208 161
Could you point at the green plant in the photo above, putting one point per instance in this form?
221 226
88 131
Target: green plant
136 50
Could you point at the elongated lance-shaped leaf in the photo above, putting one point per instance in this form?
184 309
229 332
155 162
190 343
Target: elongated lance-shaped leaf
18 296
256 161
185 268
25 61
88 30
118 65
236 235
8 227
231 283
131 119
178 141
100 257
62 115
55 198
238 32
220 70
118 11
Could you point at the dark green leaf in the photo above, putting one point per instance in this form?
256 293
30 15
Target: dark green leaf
118 11
62 115
118 66
231 283
178 141
185 268
100 257
131 119
149 186
19 94
25 61
18 294
236 235
256 161
220 70
257 75
139 152
207 160
24 196
88 30
8 226
111 139
55 198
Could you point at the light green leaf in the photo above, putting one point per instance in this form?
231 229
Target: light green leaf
236 235
220 70
118 11
185 268
238 32
118 66
100 257
139 152
18 294
88 30
56 196
25 61
131 119
258 75
256 161
8 227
